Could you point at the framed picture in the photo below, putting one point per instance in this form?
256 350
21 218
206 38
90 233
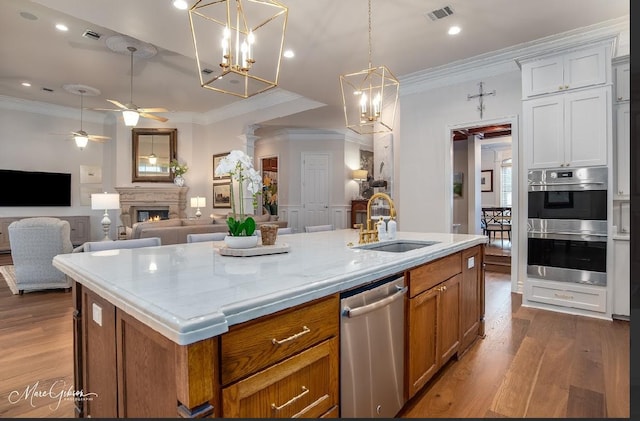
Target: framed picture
457 184
90 174
222 195
216 161
486 181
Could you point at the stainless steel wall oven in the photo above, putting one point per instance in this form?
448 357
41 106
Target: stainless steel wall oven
567 225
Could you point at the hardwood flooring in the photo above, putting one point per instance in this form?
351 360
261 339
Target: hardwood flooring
532 363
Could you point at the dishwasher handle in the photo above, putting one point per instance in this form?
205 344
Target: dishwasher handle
359 311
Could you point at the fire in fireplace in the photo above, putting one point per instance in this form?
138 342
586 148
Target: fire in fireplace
145 215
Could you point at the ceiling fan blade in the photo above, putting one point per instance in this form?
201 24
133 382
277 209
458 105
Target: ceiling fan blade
98 138
153 110
105 109
154 117
117 104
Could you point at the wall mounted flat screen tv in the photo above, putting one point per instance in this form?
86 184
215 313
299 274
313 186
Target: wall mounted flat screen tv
34 188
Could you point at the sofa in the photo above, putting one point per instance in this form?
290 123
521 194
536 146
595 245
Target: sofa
175 231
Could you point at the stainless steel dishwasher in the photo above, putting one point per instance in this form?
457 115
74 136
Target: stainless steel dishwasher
372 349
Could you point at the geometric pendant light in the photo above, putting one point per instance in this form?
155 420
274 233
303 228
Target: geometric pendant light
370 97
238 44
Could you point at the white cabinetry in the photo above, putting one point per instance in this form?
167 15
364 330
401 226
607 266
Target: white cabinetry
621 78
561 72
621 279
567 130
622 185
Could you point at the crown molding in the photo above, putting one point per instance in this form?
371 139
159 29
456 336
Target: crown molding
261 103
59 111
506 60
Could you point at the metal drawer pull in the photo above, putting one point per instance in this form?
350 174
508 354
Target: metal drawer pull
290 401
305 330
566 297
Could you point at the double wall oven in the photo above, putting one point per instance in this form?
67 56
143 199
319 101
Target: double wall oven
567 225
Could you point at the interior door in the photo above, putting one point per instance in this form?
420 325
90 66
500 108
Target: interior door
315 188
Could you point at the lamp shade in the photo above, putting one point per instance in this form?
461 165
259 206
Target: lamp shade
103 201
130 117
360 175
81 141
198 202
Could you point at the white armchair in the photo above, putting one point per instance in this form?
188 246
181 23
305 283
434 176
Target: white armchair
34 244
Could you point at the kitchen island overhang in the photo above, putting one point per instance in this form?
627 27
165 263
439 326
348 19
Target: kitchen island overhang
189 292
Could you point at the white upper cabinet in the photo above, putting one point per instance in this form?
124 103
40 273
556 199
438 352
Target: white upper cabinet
569 130
562 72
623 151
621 79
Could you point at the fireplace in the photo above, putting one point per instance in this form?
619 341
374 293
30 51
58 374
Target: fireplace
164 202
148 213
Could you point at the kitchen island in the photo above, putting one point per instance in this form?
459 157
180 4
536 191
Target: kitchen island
174 330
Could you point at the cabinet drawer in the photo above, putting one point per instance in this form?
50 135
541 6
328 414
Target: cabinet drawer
305 385
563 294
252 346
428 275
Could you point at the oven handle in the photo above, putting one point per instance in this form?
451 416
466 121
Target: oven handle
565 184
359 311
566 233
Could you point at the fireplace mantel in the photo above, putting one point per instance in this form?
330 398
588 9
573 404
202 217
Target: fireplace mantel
135 197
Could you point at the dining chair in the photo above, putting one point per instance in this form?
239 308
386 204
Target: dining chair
316 228
207 236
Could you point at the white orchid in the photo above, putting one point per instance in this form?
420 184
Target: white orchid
240 167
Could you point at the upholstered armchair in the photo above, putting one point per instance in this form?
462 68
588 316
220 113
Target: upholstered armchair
34 243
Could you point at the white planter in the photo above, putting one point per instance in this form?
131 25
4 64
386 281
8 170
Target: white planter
241 242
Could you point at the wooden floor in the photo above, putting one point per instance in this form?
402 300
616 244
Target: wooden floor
532 363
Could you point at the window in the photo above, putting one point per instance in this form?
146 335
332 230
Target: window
505 183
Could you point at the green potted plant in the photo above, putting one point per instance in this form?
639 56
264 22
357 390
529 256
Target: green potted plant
241 227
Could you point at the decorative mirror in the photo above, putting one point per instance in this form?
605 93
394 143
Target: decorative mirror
153 150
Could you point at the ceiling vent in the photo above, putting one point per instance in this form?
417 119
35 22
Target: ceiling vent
440 13
47 89
91 35
207 71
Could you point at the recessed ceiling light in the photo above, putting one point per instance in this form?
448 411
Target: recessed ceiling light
26 84
288 53
62 27
454 30
180 4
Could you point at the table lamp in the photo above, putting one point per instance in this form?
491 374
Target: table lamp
105 201
360 176
197 202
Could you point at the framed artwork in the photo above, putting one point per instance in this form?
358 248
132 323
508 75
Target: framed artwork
90 174
222 195
366 161
216 161
457 184
486 181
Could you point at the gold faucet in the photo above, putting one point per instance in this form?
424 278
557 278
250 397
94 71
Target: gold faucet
370 234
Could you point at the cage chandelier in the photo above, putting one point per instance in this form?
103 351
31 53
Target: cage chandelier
238 44
370 97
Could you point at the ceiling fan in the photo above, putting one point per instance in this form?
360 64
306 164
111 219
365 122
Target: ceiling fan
81 137
130 111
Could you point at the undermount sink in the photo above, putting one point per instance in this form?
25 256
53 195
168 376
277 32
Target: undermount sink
397 246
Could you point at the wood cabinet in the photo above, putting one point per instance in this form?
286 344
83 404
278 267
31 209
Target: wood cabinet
567 130
621 278
80 229
471 310
433 320
566 71
358 212
283 365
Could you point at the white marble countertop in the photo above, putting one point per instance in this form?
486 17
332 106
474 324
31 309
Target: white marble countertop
189 292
